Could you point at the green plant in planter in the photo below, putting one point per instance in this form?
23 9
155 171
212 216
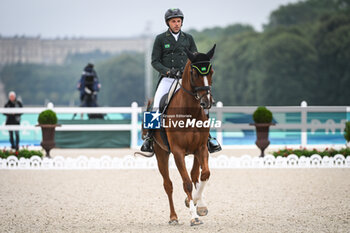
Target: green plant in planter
47 117
263 120
262 115
347 131
48 122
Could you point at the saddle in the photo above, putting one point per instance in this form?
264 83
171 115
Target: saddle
166 99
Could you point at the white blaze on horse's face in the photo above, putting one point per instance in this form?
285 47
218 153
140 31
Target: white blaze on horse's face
206 83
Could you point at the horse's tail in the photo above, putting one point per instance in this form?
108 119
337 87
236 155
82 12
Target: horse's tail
144 131
149 155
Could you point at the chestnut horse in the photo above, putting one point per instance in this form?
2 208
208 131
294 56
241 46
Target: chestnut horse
189 101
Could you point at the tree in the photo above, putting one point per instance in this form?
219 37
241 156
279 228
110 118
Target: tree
122 80
301 12
235 77
288 62
37 84
332 41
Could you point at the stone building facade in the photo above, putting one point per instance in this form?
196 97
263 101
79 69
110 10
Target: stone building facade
54 51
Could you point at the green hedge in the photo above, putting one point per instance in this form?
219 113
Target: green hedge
347 131
308 153
23 153
47 117
262 115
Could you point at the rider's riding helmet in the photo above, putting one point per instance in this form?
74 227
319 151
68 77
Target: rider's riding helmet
89 67
173 13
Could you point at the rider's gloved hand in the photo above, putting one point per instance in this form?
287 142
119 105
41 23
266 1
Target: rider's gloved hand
172 73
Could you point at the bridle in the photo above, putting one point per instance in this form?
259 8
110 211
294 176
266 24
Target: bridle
197 89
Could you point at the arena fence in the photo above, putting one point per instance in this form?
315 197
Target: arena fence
134 127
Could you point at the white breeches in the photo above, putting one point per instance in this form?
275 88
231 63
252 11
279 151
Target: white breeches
163 88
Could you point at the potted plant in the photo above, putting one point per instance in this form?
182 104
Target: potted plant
263 120
347 133
48 122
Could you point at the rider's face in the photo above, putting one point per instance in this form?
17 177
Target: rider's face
175 24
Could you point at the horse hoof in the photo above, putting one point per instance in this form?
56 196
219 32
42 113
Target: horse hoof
174 222
202 211
196 222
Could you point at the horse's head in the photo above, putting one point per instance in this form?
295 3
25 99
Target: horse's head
200 72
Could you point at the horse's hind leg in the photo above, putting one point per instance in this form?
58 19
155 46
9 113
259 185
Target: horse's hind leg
163 166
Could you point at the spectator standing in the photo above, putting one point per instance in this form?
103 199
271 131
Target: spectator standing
13 119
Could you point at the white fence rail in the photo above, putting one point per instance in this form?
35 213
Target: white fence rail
303 109
220 110
134 110
131 162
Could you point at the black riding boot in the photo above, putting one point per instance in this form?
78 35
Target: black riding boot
147 145
213 145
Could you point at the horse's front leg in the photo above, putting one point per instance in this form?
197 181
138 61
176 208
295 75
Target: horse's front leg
202 156
179 157
163 166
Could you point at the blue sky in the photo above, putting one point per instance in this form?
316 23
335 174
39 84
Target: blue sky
127 18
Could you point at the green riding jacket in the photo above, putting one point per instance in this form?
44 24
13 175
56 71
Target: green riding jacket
168 53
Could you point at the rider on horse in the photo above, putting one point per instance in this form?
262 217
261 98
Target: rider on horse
89 85
169 59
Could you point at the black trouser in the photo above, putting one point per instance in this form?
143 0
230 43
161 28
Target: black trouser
88 100
14 145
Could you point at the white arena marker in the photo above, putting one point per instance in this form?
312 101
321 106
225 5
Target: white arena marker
136 163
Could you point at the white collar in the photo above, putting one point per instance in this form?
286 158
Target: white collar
176 36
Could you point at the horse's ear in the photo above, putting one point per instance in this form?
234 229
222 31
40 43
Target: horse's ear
189 54
210 54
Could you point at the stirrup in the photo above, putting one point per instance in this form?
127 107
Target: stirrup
147 145
213 145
